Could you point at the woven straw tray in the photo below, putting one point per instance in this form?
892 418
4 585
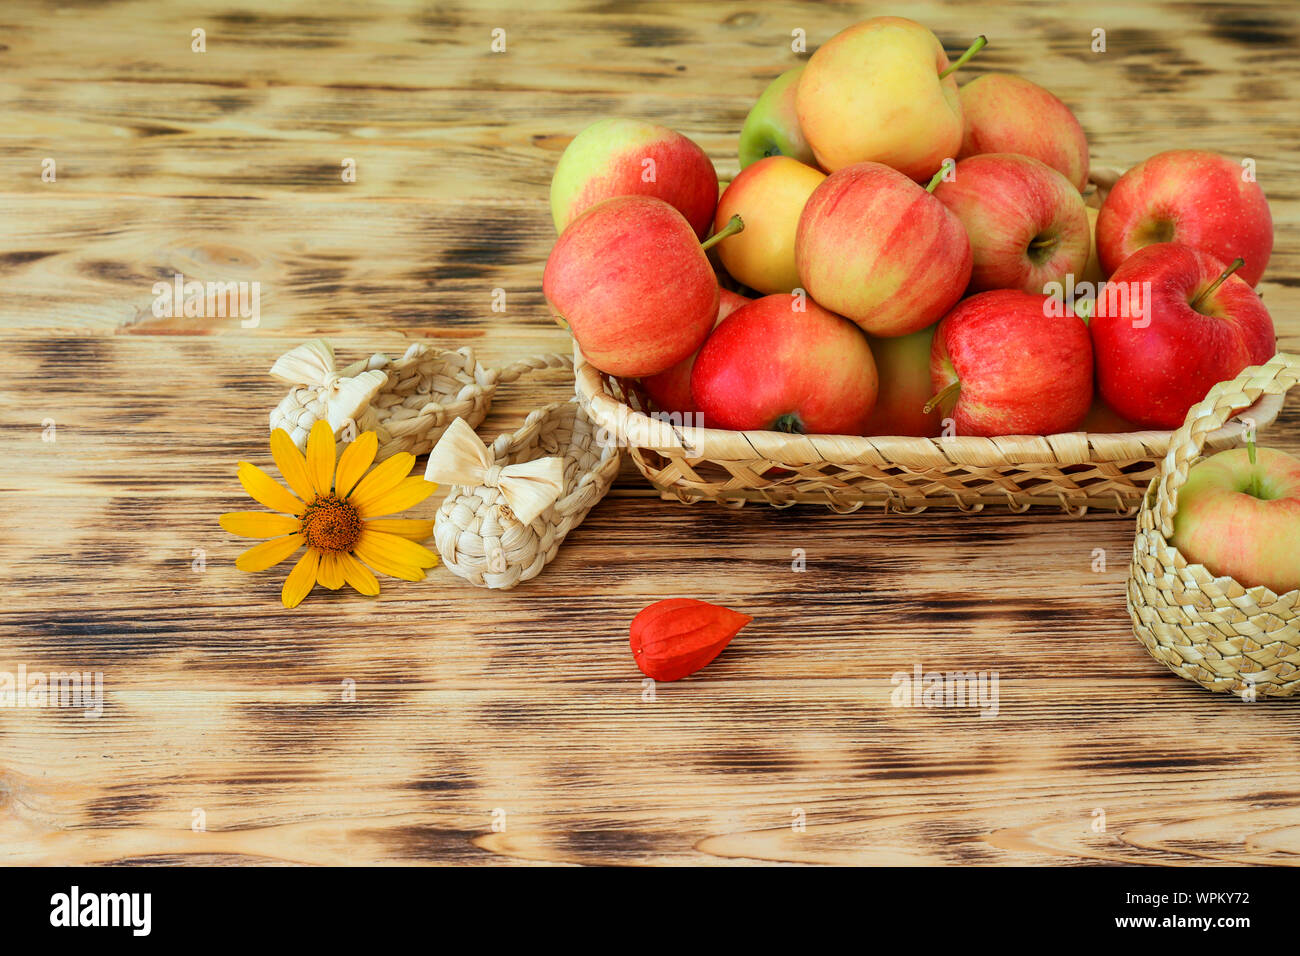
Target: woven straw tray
1074 471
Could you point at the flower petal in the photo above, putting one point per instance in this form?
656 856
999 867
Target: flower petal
260 524
265 490
417 529
354 461
395 549
320 456
358 575
376 558
269 553
386 476
291 464
330 574
410 492
301 579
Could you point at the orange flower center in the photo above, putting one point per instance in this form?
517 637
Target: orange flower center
331 524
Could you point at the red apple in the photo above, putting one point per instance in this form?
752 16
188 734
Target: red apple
1104 420
1166 328
1015 365
1008 114
671 390
1191 197
1026 223
877 248
773 366
903 367
633 284
622 157
1242 519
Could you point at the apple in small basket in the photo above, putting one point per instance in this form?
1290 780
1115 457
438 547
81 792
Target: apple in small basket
671 390
624 157
1191 197
633 285
878 249
783 363
1173 321
1239 515
1006 363
1008 114
1027 224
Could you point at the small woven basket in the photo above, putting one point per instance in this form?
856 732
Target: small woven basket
1212 630
477 534
426 389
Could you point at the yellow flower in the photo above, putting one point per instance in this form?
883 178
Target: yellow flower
335 513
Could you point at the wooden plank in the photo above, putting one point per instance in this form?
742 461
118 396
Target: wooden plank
468 703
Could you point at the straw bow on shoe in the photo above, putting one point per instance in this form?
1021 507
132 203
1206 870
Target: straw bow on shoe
311 365
461 458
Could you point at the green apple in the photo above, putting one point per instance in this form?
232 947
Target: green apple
1239 515
772 126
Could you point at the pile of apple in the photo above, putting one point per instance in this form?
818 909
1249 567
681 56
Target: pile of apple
911 252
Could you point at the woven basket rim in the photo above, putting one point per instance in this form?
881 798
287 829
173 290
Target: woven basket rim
665 437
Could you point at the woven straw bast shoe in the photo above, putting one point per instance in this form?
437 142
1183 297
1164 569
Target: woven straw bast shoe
407 402
1212 630
512 504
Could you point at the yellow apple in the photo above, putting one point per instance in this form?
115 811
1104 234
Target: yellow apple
1092 271
882 91
769 196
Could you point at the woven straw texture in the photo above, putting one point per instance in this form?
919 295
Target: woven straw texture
1074 471
478 536
1209 629
427 389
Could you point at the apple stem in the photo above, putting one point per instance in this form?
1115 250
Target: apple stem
788 423
734 225
1237 263
979 44
944 394
1254 472
938 177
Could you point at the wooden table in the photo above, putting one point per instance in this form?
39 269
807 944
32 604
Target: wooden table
511 727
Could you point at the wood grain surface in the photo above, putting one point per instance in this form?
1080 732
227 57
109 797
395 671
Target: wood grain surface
513 727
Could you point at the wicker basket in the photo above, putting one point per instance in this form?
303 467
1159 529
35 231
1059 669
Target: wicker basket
1209 629
1074 471
409 401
